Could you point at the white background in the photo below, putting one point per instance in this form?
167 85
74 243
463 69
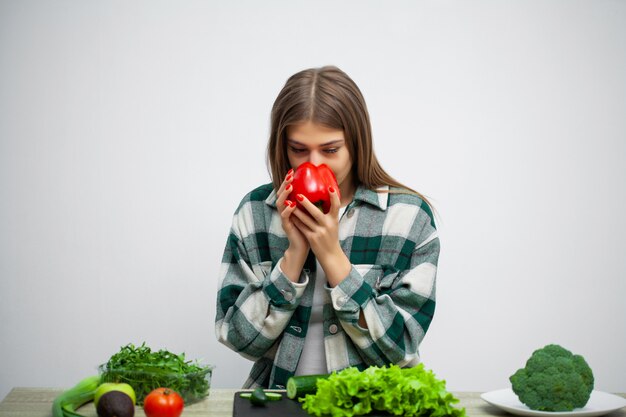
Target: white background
129 131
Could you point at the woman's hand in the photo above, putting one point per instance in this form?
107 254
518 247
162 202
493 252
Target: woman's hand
321 231
296 253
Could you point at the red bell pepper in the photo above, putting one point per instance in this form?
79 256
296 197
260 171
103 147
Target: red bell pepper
313 182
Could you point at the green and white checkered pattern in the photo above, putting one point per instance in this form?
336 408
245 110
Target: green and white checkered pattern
392 243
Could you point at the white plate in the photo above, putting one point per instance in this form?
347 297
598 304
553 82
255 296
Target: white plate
599 404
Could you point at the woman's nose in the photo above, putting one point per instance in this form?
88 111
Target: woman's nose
316 158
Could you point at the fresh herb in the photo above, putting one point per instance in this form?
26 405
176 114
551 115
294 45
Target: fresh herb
399 391
146 370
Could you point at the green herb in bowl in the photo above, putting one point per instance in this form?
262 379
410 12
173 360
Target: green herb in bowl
145 370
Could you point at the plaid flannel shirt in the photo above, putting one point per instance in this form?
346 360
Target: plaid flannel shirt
392 243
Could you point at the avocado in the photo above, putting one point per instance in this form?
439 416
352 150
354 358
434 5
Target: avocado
115 404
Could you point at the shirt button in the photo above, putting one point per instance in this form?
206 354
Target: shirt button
332 328
350 213
340 302
288 296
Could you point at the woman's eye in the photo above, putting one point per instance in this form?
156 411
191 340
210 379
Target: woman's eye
296 150
331 150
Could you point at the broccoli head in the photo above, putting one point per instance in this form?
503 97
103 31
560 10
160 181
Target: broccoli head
554 379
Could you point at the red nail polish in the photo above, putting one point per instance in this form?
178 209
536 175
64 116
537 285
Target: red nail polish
290 171
287 203
288 178
289 188
293 204
331 189
300 197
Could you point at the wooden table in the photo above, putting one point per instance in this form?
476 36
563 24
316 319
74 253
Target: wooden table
37 402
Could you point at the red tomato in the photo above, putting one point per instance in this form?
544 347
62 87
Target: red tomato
163 402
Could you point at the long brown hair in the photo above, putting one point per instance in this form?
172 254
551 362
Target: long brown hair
327 96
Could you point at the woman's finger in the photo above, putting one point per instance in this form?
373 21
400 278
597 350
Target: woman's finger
286 181
288 207
304 220
311 208
285 188
283 196
335 202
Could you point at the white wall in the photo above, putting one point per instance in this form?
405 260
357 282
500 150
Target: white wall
129 131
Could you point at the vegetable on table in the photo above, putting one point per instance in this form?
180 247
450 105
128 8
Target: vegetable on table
66 403
301 385
146 370
313 181
112 386
163 402
260 397
554 379
115 404
409 392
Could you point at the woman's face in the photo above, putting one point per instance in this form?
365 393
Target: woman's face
311 142
318 144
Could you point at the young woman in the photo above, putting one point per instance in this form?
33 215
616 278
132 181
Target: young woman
307 292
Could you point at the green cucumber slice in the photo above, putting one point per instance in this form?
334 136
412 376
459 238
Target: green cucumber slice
271 396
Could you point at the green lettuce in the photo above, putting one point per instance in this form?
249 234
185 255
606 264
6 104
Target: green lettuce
398 391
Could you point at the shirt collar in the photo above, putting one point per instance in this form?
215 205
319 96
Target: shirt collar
377 198
271 199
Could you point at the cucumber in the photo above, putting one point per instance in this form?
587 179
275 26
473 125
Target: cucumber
258 397
299 386
271 396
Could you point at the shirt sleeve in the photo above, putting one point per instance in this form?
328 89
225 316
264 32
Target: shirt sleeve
398 307
255 301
